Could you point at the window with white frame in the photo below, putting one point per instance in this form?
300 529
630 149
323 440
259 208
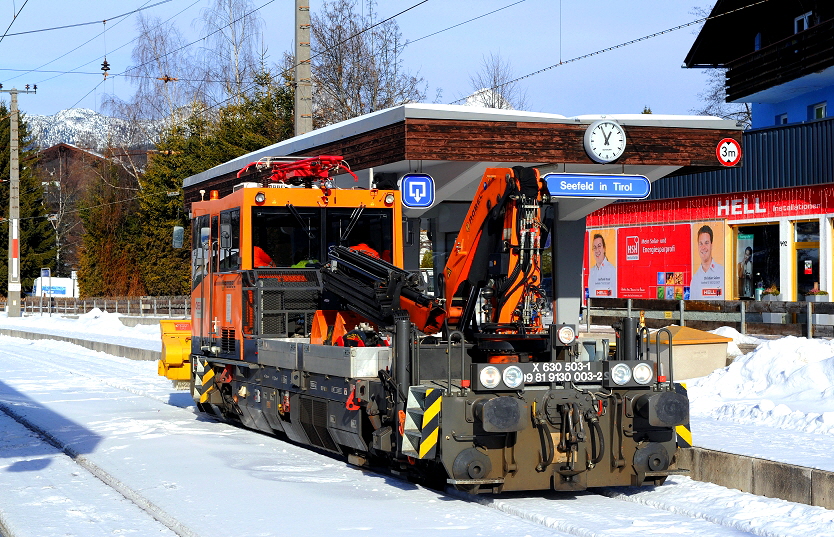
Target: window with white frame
802 22
819 111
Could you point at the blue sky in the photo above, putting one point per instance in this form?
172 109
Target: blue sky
529 34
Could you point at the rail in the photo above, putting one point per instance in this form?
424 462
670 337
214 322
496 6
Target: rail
772 317
150 306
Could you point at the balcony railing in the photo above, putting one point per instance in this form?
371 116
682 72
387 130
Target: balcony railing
791 58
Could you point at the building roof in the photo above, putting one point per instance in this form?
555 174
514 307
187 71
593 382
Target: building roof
455 143
731 30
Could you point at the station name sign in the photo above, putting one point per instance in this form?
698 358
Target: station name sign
590 185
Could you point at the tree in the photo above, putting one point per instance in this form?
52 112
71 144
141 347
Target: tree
167 81
714 97
190 148
37 239
233 28
714 100
357 67
493 85
64 173
108 266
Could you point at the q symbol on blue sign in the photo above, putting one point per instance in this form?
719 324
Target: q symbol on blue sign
417 190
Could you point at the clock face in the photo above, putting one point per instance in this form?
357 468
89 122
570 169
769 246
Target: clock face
605 141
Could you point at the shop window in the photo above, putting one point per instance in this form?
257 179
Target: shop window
763 264
807 231
807 256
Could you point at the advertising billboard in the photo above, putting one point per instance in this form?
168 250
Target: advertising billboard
671 262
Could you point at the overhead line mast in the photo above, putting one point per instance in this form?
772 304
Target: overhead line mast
13 296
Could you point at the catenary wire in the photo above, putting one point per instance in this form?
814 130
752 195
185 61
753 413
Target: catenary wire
608 49
85 23
465 22
14 18
114 50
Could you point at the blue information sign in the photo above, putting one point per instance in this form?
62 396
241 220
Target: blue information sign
589 185
417 190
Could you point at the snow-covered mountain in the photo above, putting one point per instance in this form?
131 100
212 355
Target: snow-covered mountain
85 128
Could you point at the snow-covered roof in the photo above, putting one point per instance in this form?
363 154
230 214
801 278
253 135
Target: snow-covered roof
397 114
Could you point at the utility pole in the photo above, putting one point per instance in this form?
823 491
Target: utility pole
303 71
13 298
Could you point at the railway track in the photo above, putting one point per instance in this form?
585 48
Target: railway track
682 507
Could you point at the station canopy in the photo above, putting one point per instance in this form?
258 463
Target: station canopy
454 144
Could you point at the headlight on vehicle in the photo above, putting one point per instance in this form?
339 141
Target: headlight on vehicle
620 374
513 377
566 335
490 376
260 197
642 373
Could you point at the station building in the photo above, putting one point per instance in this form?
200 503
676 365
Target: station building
771 221
455 144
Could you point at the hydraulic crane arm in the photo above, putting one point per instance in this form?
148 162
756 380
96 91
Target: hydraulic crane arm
497 254
377 290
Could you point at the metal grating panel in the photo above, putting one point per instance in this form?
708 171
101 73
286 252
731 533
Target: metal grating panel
227 340
314 421
274 324
272 300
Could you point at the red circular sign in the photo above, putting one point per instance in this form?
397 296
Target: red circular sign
728 152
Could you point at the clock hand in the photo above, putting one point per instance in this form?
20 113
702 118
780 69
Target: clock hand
608 135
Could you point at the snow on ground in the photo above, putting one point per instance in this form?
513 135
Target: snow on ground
776 402
96 325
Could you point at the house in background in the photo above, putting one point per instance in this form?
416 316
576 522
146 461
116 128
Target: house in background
771 219
66 173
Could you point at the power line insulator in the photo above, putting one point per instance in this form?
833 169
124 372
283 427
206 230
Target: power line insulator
105 67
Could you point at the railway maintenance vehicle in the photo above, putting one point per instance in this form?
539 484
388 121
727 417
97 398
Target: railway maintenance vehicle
305 325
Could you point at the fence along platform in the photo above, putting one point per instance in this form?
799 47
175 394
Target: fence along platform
746 316
152 306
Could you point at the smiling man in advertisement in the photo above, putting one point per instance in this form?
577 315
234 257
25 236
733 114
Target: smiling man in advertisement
602 277
708 278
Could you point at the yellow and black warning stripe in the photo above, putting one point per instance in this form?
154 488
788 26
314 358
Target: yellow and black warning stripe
207 385
684 432
431 423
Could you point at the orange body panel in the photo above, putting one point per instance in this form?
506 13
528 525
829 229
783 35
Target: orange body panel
496 184
218 301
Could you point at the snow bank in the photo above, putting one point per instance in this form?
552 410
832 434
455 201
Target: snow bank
738 339
786 383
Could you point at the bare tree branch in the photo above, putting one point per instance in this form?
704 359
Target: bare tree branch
714 100
496 72
357 75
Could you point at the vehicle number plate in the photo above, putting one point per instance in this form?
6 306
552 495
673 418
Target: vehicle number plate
550 372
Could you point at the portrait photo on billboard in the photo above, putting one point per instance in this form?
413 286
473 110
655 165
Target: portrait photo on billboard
744 264
707 281
602 272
